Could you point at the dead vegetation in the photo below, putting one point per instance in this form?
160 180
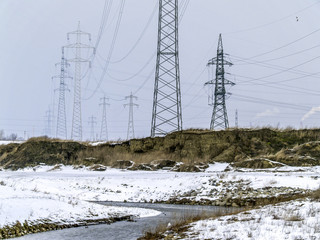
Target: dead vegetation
191 147
179 225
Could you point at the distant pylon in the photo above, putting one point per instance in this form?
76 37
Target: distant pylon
104 126
217 80
236 119
61 131
92 122
76 132
130 131
48 127
167 114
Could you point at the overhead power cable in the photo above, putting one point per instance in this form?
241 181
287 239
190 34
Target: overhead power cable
286 56
137 73
285 45
121 8
183 10
275 21
271 102
286 70
140 37
104 20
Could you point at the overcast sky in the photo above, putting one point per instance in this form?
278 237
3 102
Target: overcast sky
274 45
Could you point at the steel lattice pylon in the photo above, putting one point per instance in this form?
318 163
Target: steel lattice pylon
130 131
92 122
48 125
61 131
166 115
218 98
104 127
76 133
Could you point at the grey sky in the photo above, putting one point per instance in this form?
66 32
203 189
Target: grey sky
33 31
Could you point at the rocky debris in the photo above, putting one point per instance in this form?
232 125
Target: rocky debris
123 164
89 161
21 229
257 163
163 163
78 167
142 167
98 167
234 194
57 167
304 155
199 167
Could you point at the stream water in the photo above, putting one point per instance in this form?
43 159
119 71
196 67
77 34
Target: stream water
128 230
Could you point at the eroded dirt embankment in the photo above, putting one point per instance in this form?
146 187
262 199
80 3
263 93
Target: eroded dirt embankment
261 148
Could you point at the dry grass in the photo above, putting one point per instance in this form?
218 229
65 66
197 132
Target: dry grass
190 147
315 195
181 224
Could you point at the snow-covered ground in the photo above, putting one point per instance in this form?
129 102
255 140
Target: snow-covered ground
292 220
62 195
5 142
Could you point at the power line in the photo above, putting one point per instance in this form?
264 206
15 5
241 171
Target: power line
286 45
270 102
286 56
115 35
137 73
104 20
266 84
285 70
273 22
140 37
273 66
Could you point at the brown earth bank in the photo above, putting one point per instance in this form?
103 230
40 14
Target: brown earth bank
189 150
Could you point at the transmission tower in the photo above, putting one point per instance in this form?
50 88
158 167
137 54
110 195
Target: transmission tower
237 119
166 115
76 133
92 123
217 99
130 132
49 121
104 128
61 131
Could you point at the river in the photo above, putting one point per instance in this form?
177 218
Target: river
129 230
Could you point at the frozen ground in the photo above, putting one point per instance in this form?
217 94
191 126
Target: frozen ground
62 195
295 220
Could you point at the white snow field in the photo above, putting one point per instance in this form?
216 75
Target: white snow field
295 220
63 195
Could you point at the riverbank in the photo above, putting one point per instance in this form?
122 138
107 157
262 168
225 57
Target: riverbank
29 227
61 194
293 220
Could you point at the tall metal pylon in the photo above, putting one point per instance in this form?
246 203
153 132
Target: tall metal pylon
48 123
104 126
167 115
76 132
236 119
61 131
217 80
130 131
92 123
